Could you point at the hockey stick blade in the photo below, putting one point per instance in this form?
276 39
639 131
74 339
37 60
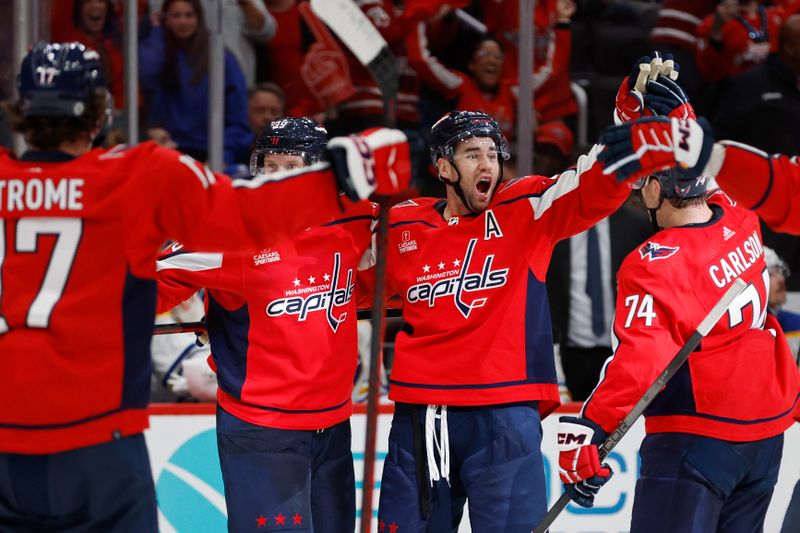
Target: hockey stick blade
677 361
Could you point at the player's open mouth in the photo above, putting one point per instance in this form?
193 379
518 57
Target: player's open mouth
483 185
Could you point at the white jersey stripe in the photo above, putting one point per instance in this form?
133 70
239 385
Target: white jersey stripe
258 181
193 262
566 182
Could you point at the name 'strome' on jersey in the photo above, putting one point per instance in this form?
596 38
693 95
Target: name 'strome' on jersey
460 283
41 193
725 271
320 297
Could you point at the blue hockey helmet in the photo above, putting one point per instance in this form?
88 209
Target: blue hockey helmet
674 185
300 136
457 126
59 79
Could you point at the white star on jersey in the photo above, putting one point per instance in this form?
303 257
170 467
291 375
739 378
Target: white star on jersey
441 266
326 277
312 279
426 268
456 262
296 282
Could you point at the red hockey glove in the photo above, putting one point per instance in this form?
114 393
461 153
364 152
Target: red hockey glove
578 461
649 145
629 104
665 97
377 161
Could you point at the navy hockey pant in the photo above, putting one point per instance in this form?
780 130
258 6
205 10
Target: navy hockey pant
791 521
106 487
495 466
286 479
690 483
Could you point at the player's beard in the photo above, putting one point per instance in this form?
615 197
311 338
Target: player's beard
491 192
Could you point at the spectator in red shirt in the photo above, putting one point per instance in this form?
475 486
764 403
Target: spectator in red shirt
737 36
483 88
676 33
284 54
94 23
552 47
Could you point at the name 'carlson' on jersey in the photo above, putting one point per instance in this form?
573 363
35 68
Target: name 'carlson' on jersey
741 383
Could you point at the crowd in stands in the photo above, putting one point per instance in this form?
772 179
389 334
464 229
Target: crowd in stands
739 62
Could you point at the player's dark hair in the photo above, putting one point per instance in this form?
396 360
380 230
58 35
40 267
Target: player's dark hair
687 202
48 132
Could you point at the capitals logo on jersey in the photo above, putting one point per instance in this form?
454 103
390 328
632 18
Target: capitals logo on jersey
457 283
318 298
653 251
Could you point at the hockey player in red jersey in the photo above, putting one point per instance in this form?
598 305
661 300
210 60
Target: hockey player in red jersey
474 371
765 183
714 438
79 233
768 184
282 324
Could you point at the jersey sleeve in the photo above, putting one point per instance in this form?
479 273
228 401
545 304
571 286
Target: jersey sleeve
765 184
577 198
645 337
182 274
208 211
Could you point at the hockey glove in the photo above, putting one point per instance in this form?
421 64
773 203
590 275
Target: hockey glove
630 104
578 461
376 162
649 145
665 97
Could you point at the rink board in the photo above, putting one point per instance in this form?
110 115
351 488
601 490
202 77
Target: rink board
191 499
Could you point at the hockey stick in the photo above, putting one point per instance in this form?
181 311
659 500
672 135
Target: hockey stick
683 354
358 34
189 327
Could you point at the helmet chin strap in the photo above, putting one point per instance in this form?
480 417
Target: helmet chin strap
460 192
654 215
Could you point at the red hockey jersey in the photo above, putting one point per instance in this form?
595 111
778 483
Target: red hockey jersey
78 243
282 320
741 384
477 322
769 185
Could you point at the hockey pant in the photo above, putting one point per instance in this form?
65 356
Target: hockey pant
695 484
106 487
279 479
495 466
